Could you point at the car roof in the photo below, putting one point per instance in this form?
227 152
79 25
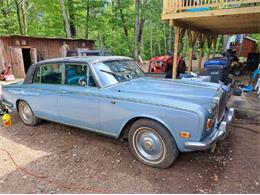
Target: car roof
84 59
89 51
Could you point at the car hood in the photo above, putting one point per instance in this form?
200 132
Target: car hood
170 92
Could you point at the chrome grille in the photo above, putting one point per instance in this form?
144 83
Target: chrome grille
221 106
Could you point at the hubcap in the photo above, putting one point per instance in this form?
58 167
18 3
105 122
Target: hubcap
26 112
149 144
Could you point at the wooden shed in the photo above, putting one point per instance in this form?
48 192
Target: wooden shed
19 52
245 46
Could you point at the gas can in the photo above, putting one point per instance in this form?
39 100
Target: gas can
7 120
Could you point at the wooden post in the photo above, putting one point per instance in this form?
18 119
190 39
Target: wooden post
176 49
192 37
202 39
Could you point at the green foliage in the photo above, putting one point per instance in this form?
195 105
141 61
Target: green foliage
257 37
109 22
8 18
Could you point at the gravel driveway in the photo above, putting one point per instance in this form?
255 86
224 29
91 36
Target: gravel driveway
73 158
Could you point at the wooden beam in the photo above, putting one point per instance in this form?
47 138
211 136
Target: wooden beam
175 53
191 27
230 21
211 13
192 37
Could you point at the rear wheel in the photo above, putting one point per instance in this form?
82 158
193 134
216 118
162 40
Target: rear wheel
27 115
168 73
152 144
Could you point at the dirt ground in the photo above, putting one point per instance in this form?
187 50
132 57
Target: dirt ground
76 158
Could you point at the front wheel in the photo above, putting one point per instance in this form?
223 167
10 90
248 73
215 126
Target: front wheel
168 73
27 115
152 144
237 71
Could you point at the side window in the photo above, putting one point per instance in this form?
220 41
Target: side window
80 75
48 74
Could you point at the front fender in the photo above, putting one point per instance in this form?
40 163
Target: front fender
174 120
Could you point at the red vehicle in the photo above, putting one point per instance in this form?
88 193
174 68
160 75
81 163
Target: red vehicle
160 64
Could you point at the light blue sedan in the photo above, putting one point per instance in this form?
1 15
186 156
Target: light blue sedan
112 96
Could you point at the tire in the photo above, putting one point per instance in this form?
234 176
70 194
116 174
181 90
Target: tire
144 135
237 92
27 115
237 72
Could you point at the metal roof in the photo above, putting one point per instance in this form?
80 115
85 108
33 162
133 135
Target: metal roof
49 38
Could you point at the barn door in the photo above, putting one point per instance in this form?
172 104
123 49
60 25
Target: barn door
17 62
33 55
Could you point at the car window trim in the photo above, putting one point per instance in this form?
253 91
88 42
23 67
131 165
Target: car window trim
102 86
39 68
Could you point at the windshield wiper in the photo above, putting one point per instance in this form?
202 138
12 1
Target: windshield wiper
116 74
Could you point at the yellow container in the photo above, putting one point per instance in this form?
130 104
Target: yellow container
7 120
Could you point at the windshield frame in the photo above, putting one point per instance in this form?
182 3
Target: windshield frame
118 83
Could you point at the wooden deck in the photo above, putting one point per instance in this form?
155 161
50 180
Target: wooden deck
217 17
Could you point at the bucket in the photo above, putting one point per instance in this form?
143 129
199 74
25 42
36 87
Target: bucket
7 120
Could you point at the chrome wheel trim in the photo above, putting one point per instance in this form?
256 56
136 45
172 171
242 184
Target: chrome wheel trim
26 113
237 72
149 145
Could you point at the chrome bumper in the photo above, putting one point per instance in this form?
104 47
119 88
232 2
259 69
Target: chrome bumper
218 133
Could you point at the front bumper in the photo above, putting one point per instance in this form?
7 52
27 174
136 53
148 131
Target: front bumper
219 133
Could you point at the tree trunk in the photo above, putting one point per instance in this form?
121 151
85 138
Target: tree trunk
151 41
165 38
72 18
101 42
17 3
136 26
170 40
24 20
65 19
124 26
141 36
87 20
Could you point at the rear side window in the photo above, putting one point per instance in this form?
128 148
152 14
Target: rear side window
48 74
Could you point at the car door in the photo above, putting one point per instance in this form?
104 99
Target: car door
79 97
43 96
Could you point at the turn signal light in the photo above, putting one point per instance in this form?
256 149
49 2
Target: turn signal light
209 123
185 135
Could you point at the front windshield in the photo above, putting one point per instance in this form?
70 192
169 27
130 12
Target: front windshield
117 71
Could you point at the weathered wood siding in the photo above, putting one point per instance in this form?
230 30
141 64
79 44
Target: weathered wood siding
47 48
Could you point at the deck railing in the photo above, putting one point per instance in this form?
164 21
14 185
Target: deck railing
174 6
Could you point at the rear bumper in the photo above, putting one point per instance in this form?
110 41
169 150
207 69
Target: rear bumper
5 106
219 133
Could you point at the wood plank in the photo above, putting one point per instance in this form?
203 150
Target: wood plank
192 37
175 53
234 11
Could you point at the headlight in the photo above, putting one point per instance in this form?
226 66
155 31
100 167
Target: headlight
213 108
